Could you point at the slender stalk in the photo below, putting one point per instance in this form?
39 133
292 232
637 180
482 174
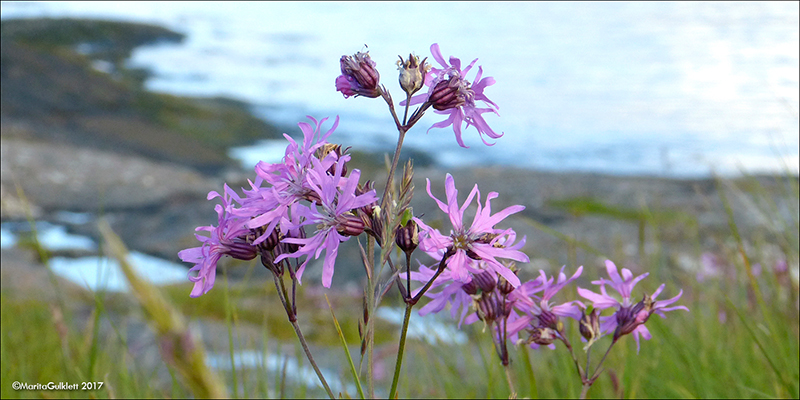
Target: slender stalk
404 290
585 390
513 392
439 271
293 319
371 323
405 113
506 363
597 369
401 129
400 351
400 137
588 357
408 276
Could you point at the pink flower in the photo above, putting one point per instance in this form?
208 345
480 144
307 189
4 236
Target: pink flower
452 95
628 317
479 241
452 293
539 310
333 217
227 238
286 181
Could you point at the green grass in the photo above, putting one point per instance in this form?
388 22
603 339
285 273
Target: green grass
739 340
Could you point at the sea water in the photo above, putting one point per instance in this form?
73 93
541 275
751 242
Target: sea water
673 89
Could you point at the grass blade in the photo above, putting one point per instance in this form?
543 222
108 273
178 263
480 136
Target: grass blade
346 350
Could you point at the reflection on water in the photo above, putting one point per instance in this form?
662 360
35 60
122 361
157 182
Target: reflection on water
428 328
270 151
73 218
51 236
103 273
253 359
7 238
94 272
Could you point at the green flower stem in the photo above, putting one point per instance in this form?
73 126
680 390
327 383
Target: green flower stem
510 382
408 104
400 351
401 129
588 382
293 319
371 323
585 390
427 286
597 370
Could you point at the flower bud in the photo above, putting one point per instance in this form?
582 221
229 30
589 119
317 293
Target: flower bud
288 248
270 242
240 249
629 318
471 287
407 237
368 209
350 225
590 326
359 76
412 73
268 261
542 336
504 286
485 280
489 307
548 320
447 94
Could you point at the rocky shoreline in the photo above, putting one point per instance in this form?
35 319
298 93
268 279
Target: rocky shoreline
75 139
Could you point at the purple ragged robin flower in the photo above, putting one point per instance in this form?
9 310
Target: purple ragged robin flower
539 310
628 317
286 182
333 217
539 316
227 238
479 241
359 76
452 293
452 95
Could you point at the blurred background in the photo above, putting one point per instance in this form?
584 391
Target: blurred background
663 136
669 89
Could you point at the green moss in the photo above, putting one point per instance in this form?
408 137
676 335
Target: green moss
109 40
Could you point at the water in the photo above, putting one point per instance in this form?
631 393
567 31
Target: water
102 273
95 273
675 89
274 364
429 328
51 236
